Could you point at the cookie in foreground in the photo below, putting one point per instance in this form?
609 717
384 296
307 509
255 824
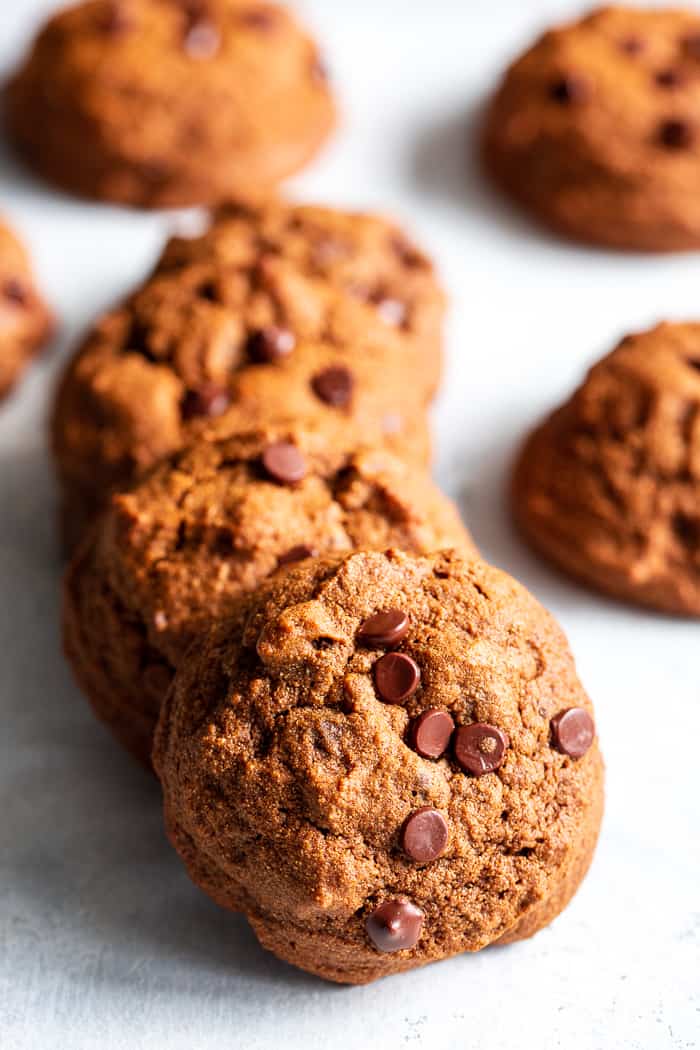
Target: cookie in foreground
211 524
159 104
383 760
608 487
594 130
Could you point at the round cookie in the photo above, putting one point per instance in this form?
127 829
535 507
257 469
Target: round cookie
160 104
211 524
25 321
383 760
608 487
596 129
276 311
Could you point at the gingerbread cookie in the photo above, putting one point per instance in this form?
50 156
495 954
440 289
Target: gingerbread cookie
211 524
278 311
383 760
25 321
596 129
157 104
609 486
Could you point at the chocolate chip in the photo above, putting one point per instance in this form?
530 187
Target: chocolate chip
394 926
691 45
263 18
15 292
396 677
408 253
299 553
573 732
479 748
201 39
386 628
431 732
115 19
392 311
669 78
270 344
284 463
207 400
424 835
676 134
569 89
334 386
632 45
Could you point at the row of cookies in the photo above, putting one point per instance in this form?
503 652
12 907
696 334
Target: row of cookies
380 754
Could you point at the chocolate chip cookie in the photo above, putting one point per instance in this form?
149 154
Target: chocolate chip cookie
596 129
25 321
211 524
383 760
156 104
609 486
277 311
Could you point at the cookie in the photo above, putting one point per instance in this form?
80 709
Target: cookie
210 525
159 104
279 311
383 760
25 321
608 488
596 129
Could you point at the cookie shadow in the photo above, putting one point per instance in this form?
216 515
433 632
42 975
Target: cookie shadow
85 868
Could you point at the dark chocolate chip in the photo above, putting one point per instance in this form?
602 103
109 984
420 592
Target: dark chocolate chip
396 676
569 89
115 19
424 835
409 255
15 292
263 18
676 134
284 463
632 45
431 732
479 748
207 400
573 732
270 344
201 39
386 628
394 926
299 553
334 386
392 311
691 46
669 78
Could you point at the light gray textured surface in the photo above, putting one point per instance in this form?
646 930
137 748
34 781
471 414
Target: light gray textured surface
103 942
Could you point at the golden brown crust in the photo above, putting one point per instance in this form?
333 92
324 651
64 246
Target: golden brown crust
287 779
158 104
25 320
345 290
594 129
608 487
175 553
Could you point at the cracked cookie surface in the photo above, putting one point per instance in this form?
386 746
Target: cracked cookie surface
160 104
277 311
209 525
25 321
609 486
293 754
596 129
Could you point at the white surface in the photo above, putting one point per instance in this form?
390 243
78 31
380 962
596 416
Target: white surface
103 942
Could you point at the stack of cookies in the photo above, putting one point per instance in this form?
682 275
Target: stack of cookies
371 742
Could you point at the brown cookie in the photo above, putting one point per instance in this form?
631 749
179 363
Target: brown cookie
609 486
279 311
295 792
25 321
211 524
156 104
596 129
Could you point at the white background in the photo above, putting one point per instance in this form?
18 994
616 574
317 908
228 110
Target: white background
103 942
